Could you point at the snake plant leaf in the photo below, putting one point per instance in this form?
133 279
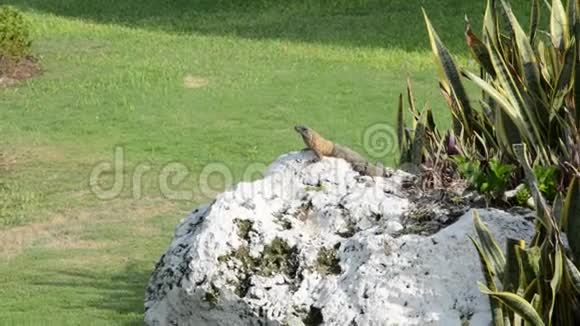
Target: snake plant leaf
534 19
455 114
432 127
577 90
573 275
542 212
537 302
572 12
565 77
527 55
401 125
517 304
558 209
507 132
504 104
410 96
571 216
523 118
511 278
559 27
490 28
450 78
489 246
529 260
419 139
531 290
488 274
478 49
556 280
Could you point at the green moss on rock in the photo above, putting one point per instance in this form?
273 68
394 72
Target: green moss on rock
327 262
212 296
277 258
244 228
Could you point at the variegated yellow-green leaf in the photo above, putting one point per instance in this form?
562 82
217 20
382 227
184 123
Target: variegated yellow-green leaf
455 114
507 132
573 274
478 50
511 278
565 77
450 78
401 125
522 115
490 34
489 245
556 279
534 19
577 89
571 10
529 260
528 57
531 290
517 304
419 138
559 29
488 274
543 214
571 216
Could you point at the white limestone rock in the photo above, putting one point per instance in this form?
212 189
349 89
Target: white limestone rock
313 244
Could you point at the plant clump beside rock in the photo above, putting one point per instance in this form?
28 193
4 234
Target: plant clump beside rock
518 144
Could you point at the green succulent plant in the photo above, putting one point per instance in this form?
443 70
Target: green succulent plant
539 284
528 93
529 111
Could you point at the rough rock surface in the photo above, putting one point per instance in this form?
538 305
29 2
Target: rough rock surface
315 244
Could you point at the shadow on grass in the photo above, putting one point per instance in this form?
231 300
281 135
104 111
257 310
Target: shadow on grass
366 23
122 293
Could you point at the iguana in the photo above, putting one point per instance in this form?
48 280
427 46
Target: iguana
324 147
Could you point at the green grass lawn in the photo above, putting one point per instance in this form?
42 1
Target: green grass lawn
194 82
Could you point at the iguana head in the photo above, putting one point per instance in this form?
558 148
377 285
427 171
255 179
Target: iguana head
314 141
306 133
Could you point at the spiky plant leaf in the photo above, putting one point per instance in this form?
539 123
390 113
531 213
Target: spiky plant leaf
450 78
573 275
517 304
531 290
401 126
529 260
489 246
571 216
506 132
490 24
534 19
488 274
523 114
556 280
558 209
478 49
559 29
511 279
565 77
572 12
419 140
543 214
577 91
527 54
